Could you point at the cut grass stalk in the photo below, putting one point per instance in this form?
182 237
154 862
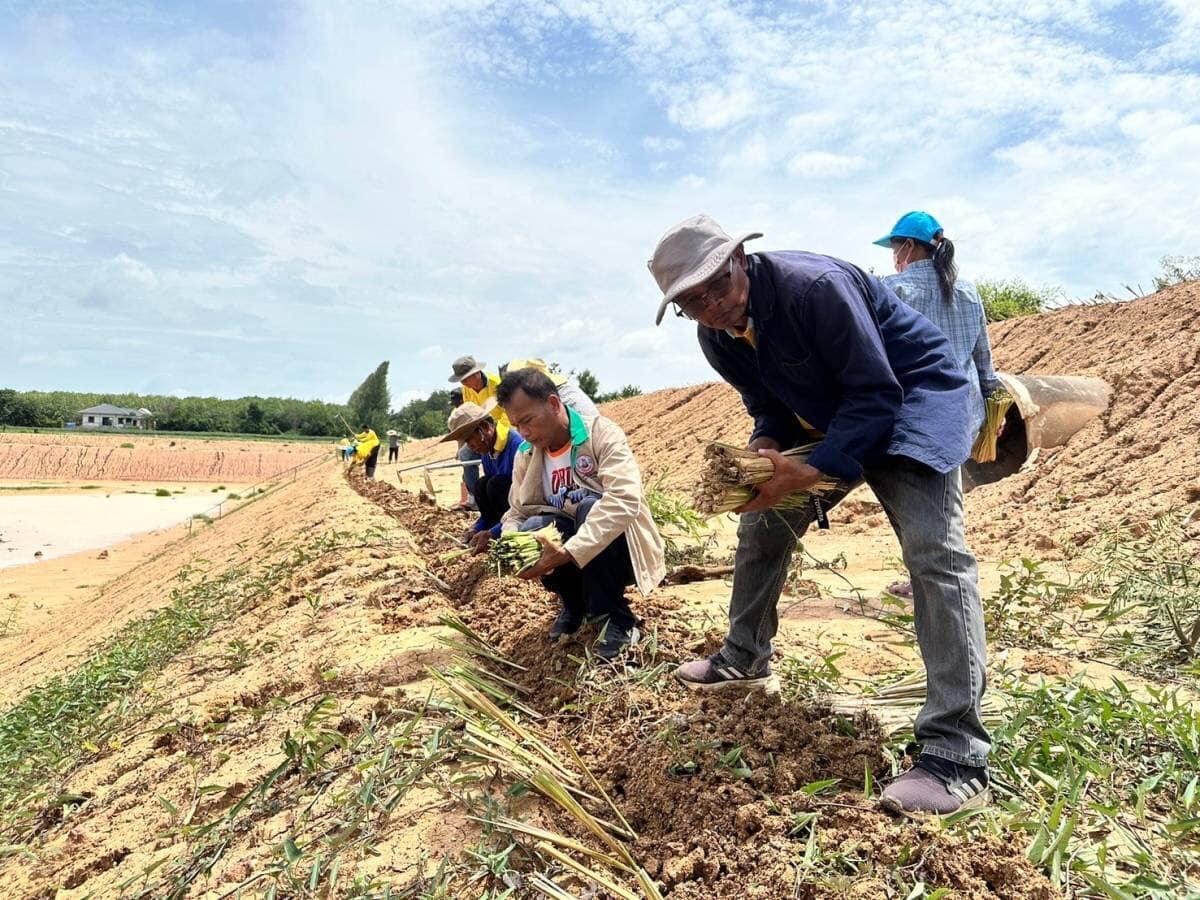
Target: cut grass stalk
729 474
995 409
550 889
588 874
554 837
515 551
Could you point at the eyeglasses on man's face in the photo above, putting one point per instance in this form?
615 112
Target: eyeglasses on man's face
692 307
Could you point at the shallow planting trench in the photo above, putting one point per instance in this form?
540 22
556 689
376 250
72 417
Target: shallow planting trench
766 796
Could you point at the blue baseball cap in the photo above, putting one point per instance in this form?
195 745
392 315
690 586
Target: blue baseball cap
918 225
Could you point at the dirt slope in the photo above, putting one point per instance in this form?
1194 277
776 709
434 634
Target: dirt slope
97 457
1142 456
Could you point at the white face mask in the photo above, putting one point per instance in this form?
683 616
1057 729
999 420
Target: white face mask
902 256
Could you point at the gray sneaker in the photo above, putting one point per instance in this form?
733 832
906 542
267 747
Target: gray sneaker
919 792
714 674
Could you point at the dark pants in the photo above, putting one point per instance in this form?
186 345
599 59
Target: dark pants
491 496
393 454
371 461
598 589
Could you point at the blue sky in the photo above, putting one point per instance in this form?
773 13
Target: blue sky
245 197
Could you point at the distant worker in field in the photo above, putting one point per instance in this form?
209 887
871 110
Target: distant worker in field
474 426
927 280
610 539
393 445
367 449
820 351
568 388
465 455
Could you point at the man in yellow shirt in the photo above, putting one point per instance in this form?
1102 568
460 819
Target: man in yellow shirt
478 387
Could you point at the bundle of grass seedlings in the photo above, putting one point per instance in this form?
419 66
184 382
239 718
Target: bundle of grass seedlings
730 473
995 409
515 551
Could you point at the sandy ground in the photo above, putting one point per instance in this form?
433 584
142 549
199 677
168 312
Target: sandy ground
64 456
57 525
57 608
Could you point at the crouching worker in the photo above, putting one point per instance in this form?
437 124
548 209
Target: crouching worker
580 474
474 426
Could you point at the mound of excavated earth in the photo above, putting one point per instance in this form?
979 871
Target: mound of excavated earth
1140 458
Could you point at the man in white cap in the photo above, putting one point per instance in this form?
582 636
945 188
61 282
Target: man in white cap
822 352
473 425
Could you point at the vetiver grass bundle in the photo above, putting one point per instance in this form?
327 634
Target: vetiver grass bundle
730 473
515 551
995 409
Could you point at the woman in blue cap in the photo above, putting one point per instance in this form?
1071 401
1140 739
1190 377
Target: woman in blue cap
927 280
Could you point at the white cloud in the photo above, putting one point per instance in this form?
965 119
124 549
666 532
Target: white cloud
273 209
819 164
661 145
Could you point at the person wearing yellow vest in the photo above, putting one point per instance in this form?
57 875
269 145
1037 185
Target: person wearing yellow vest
478 387
366 448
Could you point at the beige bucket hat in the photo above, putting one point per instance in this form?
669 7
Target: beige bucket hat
466 418
689 254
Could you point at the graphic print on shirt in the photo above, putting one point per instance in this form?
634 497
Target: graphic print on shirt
557 473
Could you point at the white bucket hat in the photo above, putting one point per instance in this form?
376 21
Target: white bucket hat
689 254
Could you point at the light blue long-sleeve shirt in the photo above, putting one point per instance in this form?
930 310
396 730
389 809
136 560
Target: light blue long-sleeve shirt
963 322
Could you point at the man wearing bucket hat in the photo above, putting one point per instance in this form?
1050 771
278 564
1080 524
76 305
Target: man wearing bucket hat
820 351
477 386
473 425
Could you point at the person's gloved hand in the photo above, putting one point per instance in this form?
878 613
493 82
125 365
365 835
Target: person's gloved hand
579 495
559 498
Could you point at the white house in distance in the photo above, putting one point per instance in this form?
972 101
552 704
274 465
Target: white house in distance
108 416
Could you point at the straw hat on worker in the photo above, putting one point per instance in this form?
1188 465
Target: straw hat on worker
466 418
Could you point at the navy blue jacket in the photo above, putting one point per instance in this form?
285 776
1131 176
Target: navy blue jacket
836 347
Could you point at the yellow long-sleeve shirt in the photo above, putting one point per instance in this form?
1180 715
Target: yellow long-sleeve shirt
491 382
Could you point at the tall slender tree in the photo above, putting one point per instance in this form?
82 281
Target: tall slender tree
370 402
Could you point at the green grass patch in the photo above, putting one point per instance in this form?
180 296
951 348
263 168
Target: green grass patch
127 446
72 716
162 492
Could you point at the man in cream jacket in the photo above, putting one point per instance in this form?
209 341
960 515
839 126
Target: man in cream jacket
580 474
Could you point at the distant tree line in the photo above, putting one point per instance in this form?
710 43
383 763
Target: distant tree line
368 405
245 415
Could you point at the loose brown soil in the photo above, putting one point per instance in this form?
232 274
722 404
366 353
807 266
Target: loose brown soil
712 785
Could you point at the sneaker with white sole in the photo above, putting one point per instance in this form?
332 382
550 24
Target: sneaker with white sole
936 787
714 673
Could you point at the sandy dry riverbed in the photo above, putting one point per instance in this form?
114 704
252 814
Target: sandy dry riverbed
58 524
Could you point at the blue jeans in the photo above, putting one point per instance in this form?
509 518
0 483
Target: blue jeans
926 512
597 590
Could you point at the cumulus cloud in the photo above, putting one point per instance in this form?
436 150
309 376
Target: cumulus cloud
275 202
